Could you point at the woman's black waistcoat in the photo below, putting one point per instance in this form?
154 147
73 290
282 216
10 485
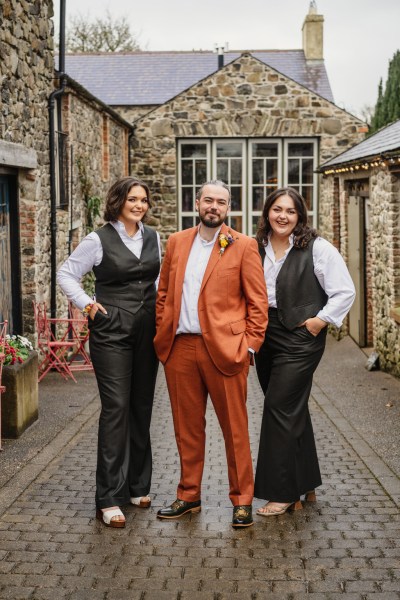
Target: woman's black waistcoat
122 279
299 295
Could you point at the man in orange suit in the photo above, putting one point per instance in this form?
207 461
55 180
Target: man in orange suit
211 316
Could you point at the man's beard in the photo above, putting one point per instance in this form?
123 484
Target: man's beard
212 224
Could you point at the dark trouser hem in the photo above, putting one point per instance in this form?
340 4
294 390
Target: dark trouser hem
108 502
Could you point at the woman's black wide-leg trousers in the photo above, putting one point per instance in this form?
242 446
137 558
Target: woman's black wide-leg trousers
287 465
125 364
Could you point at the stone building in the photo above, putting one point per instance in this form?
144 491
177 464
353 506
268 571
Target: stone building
90 151
362 188
260 120
26 82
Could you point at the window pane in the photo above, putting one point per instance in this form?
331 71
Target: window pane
227 149
301 149
236 200
258 171
193 150
258 198
187 172
237 223
236 171
201 171
254 224
272 172
265 150
307 170
222 170
187 222
307 193
294 171
187 199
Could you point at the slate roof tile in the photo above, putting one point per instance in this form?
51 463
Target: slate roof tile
153 78
384 140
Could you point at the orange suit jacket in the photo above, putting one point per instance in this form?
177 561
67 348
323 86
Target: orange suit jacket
232 306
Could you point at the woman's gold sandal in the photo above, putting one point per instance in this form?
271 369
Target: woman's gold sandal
264 512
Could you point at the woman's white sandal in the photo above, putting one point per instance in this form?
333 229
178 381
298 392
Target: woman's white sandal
107 517
142 501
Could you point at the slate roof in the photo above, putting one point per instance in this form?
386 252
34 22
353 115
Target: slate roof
384 141
153 78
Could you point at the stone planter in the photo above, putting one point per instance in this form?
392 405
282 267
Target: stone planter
19 404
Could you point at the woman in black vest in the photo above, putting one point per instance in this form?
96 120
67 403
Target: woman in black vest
125 258
308 287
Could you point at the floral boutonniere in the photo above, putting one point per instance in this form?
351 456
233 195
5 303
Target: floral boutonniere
224 241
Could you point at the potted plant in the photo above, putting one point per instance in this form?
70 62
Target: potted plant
19 403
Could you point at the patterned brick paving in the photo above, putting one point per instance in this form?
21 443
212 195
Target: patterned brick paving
347 544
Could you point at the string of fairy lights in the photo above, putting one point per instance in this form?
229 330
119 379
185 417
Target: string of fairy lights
383 162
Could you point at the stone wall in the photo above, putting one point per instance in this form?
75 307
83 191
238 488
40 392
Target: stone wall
26 81
93 145
385 260
382 257
244 99
132 113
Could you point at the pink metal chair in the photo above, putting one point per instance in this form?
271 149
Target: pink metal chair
78 331
3 332
53 346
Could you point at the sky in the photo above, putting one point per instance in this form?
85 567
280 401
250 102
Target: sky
360 36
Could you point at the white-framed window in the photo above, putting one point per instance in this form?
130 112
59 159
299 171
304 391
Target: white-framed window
299 170
253 168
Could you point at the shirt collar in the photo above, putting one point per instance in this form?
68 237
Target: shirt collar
269 252
119 226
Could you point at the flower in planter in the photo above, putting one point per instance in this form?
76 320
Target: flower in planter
16 349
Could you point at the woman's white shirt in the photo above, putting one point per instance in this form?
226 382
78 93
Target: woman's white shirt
89 254
331 272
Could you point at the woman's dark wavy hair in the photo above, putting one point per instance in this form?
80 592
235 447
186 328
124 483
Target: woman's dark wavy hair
302 233
117 195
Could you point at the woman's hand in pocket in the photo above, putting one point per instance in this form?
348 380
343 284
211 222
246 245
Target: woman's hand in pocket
314 325
95 308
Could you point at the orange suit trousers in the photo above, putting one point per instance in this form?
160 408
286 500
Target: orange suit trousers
192 376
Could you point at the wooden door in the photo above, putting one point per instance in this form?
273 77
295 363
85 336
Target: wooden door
5 254
356 263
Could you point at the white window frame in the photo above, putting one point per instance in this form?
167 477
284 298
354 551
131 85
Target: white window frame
234 213
312 214
190 142
257 213
247 212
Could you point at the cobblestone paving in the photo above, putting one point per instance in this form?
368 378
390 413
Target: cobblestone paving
346 544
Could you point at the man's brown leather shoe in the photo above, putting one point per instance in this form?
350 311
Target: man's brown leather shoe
242 516
179 508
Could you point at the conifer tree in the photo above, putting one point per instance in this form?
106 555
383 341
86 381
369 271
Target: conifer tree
387 108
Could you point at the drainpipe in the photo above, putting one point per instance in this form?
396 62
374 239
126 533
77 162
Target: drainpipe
52 102
130 138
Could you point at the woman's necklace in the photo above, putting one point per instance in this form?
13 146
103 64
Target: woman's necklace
280 247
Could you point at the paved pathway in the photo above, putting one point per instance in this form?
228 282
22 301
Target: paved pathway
51 547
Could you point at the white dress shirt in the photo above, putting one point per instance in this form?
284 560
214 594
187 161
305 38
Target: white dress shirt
196 266
331 272
89 254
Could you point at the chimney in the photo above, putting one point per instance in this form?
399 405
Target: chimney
220 50
313 34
